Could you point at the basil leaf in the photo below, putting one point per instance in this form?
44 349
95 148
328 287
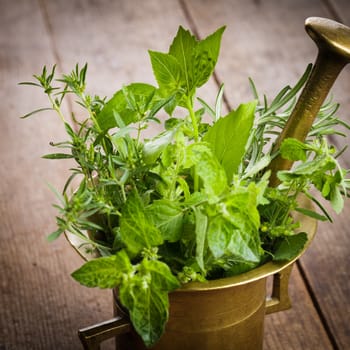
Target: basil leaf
161 276
167 217
182 48
105 272
239 267
290 246
153 148
200 156
229 135
234 228
225 239
131 103
218 236
167 72
205 57
136 230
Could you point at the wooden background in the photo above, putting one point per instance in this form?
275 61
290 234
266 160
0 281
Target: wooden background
41 307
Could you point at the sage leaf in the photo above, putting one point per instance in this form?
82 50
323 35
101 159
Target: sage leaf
229 135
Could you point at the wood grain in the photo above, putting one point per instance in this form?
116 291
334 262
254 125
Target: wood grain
40 304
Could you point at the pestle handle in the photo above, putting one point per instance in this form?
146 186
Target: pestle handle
333 42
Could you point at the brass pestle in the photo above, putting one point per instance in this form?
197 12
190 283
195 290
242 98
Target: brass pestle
333 42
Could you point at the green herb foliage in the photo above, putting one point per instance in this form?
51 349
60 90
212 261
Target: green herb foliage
193 202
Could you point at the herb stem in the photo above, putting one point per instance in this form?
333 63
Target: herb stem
193 119
196 138
56 107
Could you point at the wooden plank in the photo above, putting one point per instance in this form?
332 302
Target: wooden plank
268 43
114 38
39 302
299 327
326 266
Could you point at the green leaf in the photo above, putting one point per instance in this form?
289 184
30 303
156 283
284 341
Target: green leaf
153 148
337 200
161 275
57 156
239 267
167 72
36 111
136 230
167 217
234 226
131 103
312 214
54 235
290 247
255 168
105 272
200 156
229 135
205 57
182 48
145 295
225 239
293 149
201 235
242 205
147 306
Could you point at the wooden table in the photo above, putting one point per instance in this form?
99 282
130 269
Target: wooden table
41 307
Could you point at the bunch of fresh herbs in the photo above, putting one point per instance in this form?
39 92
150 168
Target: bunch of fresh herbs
192 203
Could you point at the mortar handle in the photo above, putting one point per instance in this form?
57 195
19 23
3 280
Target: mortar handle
91 337
333 42
279 299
